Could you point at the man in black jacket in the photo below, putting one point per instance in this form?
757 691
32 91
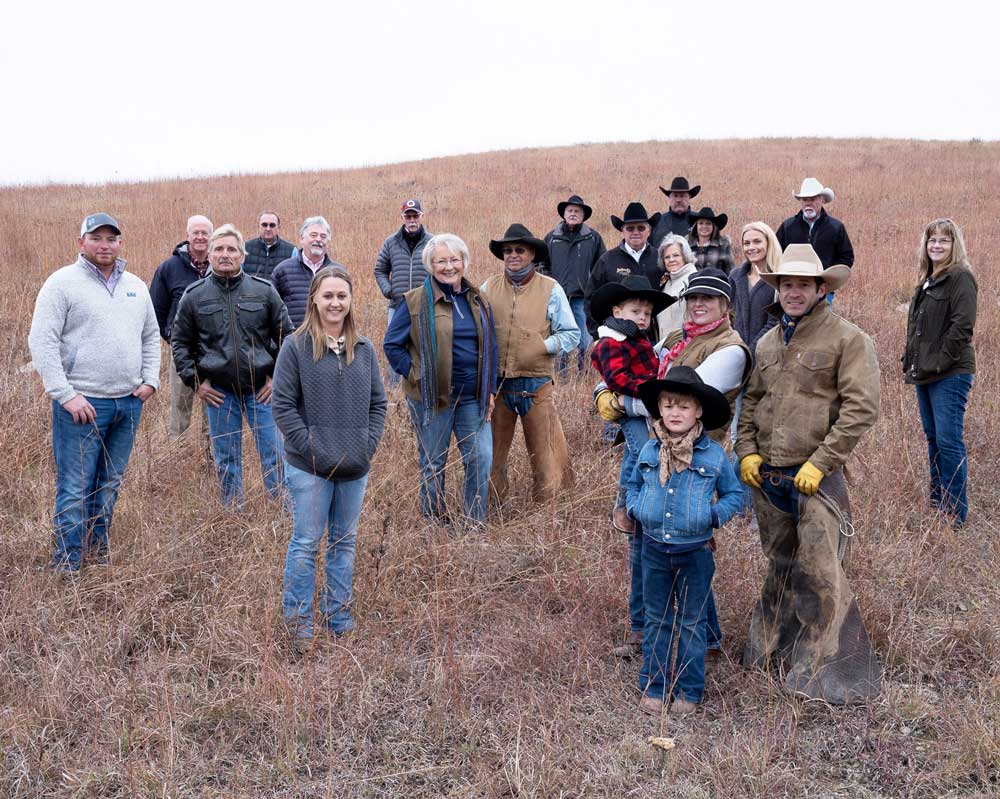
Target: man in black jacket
187 263
675 218
268 250
812 225
634 256
226 337
574 250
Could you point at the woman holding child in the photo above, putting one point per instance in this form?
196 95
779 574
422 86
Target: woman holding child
330 406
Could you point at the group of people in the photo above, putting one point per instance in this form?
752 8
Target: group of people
730 385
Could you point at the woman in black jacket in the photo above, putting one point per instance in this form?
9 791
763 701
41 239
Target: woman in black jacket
940 360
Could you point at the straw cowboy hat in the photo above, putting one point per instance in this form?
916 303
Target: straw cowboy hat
633 287
575 199
813 188
801 260
685 380
518 233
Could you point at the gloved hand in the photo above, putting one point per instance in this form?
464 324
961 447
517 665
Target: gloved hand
807 480
608 406
750 469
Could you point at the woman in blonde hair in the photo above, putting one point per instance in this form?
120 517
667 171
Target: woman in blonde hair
330 406
751 296
940 360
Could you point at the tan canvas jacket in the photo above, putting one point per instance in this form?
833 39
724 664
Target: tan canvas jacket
813 399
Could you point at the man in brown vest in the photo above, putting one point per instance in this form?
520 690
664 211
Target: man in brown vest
534 323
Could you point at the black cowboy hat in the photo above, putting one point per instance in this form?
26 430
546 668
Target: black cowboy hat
635 212
575 199
711 282
519 233
633 287
681 184
685 380
707 213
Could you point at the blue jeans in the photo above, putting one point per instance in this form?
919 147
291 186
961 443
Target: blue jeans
225 424
636 603
90 462
747 496
676 588
462 418
942 414
579 315
319 504
636 432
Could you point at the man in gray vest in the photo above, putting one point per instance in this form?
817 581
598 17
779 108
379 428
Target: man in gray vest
399 267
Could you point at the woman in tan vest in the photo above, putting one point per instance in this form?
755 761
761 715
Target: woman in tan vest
534 322
707 343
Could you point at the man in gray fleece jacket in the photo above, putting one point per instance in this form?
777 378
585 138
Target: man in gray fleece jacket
95 342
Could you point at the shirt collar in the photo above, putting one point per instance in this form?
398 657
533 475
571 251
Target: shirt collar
634 253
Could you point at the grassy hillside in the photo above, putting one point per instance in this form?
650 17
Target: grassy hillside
481 665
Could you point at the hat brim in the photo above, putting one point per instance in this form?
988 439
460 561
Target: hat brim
692 192
715 411
587 210
609 295
541 250
620 223
719 221
827 194
834 276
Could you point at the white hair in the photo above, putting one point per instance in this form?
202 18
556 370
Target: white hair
199 219
668 241
314 220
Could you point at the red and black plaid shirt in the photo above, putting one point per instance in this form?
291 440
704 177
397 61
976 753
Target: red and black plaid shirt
624 365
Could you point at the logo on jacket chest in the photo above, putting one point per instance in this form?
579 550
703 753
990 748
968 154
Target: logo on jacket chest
622 270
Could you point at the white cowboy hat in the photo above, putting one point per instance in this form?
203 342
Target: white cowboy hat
813 188
801 260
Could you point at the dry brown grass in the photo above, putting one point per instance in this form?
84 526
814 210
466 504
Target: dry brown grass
481 667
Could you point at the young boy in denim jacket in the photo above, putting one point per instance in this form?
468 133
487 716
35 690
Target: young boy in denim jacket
624 357
672 494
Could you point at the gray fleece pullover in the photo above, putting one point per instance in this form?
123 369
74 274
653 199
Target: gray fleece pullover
87 340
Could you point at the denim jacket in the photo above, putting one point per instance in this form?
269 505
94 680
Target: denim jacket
682 511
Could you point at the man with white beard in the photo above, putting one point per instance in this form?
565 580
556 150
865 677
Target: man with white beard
814 226
292 276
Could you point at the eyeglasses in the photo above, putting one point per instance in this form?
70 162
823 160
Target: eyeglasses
519 250
443 262
268 224
636 228
939 241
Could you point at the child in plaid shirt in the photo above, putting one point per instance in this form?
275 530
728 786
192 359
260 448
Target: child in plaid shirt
624 357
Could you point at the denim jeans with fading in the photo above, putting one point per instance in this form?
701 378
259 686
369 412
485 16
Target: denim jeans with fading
463 419
319 505
225 424
942 414
676 589
580 317
90 463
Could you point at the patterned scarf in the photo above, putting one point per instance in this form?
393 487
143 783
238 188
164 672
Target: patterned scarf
690 331
675 453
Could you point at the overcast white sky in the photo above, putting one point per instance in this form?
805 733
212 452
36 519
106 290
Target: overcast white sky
109 91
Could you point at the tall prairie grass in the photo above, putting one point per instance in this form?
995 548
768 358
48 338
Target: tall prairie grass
481 665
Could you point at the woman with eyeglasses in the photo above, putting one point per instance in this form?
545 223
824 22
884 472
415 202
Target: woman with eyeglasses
442 342
940 360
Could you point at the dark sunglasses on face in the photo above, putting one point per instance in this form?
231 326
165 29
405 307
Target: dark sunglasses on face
514 250
268 224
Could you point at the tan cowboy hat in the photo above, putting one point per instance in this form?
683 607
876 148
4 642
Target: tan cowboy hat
813 188
801 260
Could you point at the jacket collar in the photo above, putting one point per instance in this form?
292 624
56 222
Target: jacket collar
700 445
562 230
438 293
228 282
819 218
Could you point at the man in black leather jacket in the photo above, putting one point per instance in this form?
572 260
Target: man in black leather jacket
225 340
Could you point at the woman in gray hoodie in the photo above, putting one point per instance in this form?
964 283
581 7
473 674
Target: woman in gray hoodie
330 406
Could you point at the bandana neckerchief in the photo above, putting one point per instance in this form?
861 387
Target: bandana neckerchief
521 277
675 453
690 331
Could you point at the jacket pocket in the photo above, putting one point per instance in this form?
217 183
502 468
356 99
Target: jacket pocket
815 372
338 450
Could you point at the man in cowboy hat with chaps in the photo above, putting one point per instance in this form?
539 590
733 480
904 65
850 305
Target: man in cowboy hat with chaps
633 256
533 324
675 218
574 249
813 393
813 225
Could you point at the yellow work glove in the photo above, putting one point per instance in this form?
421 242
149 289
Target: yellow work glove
608 406
807 480
750 469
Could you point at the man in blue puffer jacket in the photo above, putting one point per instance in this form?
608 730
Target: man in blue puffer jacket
292 276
